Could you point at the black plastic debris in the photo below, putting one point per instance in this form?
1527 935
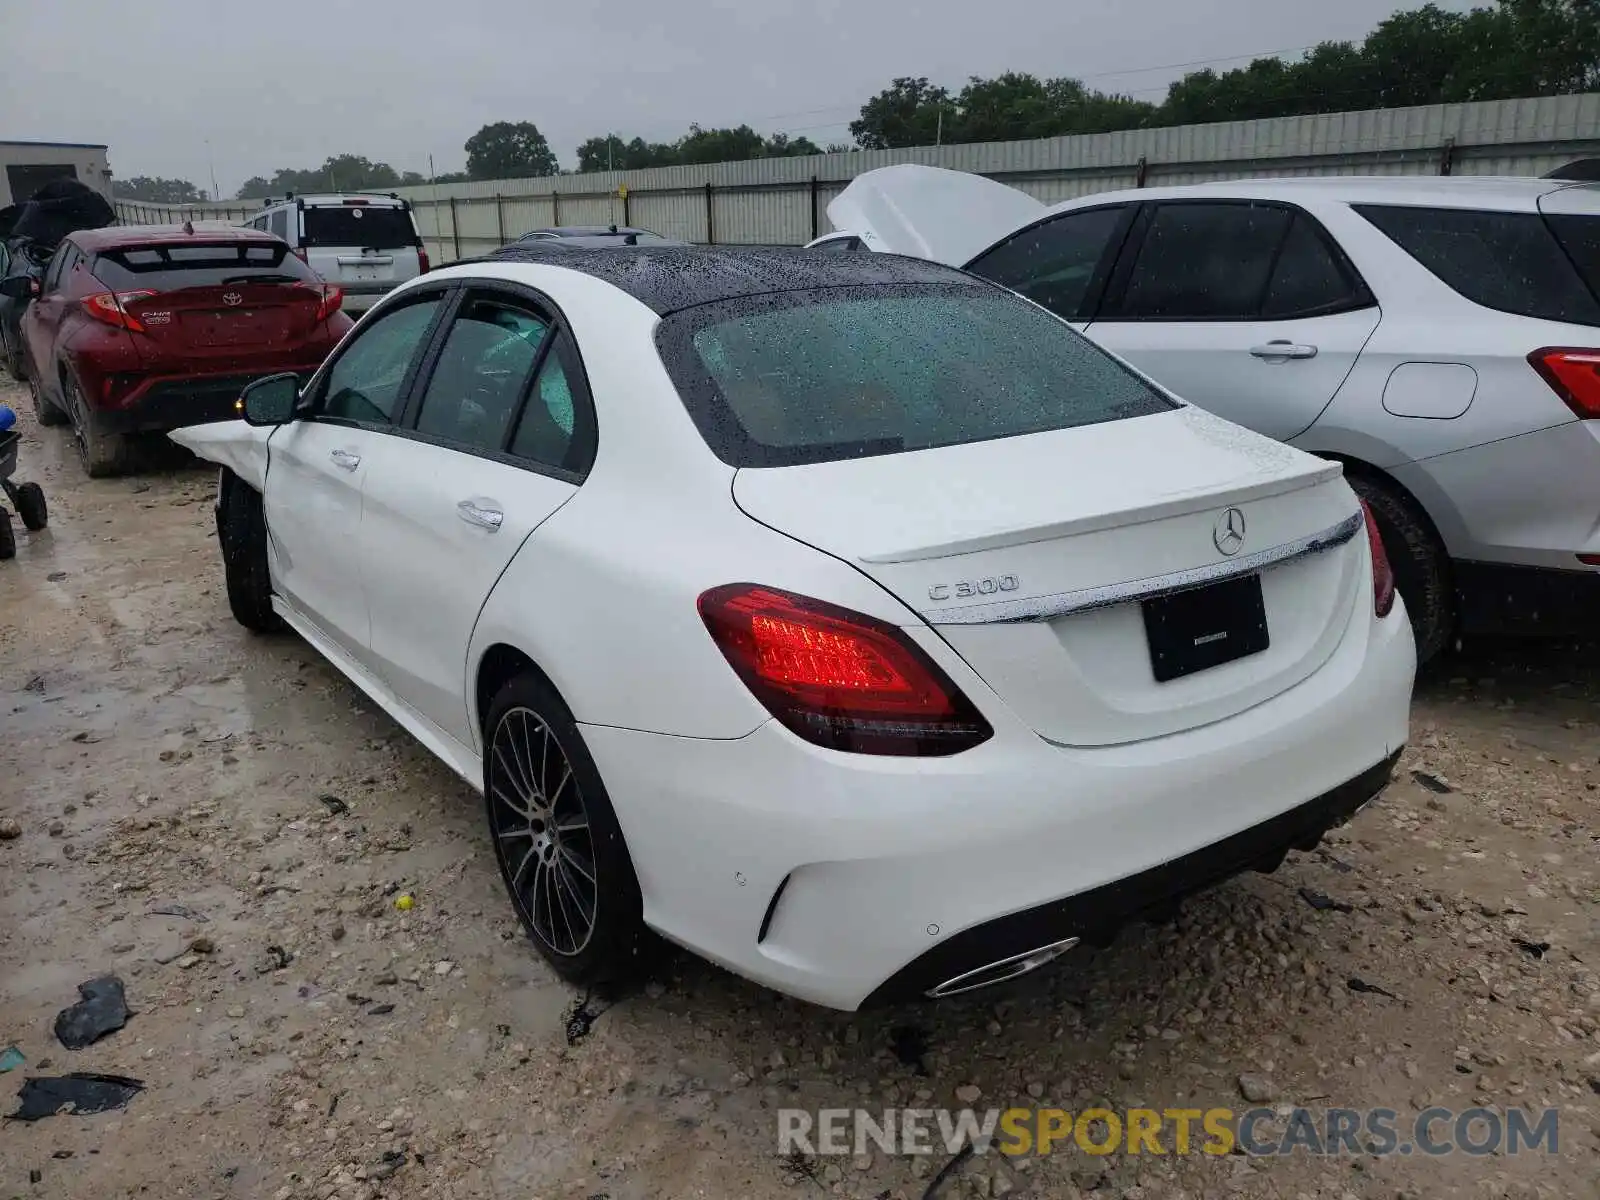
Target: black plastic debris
910 1045
1531 949
391 1162
177 910
936 1185
1594 1086
103 1010
1432 782
278 957
582 1018
81 1094
380 1010
1356 984
333 804
1323 902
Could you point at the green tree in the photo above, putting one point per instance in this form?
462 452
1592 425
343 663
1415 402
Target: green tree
906 113
156 189
338 173
509 150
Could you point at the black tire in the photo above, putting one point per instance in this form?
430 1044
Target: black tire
31 507
104 454
242 531
43 409
1421 566
614 949
8 539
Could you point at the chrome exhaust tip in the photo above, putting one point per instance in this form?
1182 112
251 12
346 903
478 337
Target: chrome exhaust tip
1001 970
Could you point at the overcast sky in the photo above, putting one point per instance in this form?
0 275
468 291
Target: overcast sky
289 82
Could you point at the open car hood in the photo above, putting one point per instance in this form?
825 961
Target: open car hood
928 212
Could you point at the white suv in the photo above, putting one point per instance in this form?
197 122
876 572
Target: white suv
366 243
1438 336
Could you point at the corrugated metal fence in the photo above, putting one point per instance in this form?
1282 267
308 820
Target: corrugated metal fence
784 200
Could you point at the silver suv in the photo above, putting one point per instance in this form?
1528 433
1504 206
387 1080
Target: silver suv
366 243
1439 337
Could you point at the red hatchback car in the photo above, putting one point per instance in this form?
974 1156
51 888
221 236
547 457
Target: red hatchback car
144 328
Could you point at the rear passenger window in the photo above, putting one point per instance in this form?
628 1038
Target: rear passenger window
481 374
1502 260
556 429
1204 262
1054 263
1308 279
280 223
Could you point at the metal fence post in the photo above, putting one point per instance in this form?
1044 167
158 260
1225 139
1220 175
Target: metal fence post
627 208
455 229
555 207
500 216
814 218
711 227
1141 172
1447 156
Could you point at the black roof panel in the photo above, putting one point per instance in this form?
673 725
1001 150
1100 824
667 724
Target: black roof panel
669 278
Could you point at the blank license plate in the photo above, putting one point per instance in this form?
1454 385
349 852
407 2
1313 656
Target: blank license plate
1205 627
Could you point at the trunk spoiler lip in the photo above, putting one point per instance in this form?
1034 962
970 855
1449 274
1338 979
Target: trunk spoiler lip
1174 506
1045 608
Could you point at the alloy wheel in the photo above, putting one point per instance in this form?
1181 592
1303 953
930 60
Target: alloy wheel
541 831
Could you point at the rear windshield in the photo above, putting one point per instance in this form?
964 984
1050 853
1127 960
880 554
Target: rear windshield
167 268
1515 262
360 225
835 373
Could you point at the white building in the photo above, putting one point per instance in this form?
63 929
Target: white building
29 165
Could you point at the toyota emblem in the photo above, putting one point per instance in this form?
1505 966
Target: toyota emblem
232 298
1228 532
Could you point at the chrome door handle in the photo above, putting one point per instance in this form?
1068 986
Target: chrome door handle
346 459
1283 348
484 516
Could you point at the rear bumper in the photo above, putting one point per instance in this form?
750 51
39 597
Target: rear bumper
1497 598
841 878
162 402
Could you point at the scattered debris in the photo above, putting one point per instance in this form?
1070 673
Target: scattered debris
910 1045
1323 902
177 910
1257 1089
11 1058
1432 782
1532 949
10 829
103 1010
80 1094
333 804
945 1172
380 1010
404 902
1356 984
581 1019
278 957
391 1162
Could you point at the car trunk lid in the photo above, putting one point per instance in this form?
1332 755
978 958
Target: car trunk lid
360 244
220 320
932 213
1043 561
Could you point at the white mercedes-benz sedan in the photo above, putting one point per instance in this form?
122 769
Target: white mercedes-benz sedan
847 619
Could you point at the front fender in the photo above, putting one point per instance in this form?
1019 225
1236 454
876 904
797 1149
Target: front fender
239 446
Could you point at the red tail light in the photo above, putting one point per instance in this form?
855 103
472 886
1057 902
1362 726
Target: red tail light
1574 373
422 259
109 307
1382 572
331 298
839 678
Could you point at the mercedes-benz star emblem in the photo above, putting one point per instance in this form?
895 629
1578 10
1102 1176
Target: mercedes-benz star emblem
1228 533
231 298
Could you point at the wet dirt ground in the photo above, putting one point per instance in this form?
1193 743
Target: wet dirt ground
300 1036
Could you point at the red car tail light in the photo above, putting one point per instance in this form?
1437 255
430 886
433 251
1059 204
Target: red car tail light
422 259
1574 373
1382 572
331 298
839 678
109 307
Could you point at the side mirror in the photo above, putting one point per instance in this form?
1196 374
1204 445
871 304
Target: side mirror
20 287
270 401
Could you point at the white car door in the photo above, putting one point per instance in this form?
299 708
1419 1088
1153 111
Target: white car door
500 436
1246 308
319 464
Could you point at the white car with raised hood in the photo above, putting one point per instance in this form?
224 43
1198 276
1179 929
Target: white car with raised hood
1439 337
844 618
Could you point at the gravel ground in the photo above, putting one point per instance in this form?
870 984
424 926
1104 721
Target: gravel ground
300 1036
